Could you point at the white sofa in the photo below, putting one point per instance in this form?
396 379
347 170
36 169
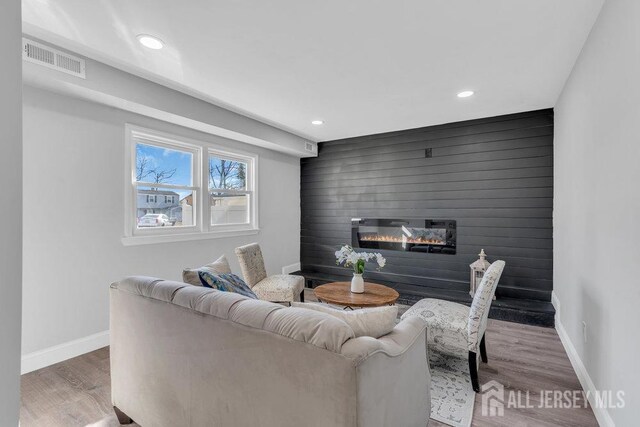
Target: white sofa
183 355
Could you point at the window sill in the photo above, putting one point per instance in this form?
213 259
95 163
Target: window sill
185 237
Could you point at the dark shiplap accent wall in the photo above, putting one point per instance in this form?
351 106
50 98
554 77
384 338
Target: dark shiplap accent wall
494 176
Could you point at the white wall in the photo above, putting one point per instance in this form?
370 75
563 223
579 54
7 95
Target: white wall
74 162
597 206
11 203
117 88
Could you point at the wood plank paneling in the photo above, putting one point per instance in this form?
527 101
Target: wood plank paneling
494 176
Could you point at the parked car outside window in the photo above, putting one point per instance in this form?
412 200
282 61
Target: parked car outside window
154 220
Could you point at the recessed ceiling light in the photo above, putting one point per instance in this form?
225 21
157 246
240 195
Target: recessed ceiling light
151 42
465 94
317 122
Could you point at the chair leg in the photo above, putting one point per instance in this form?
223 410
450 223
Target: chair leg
302 296
483 350
473 371
122 417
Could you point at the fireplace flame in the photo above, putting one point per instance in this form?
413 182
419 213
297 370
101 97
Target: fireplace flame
396 239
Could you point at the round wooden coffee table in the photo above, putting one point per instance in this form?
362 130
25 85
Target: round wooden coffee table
339 293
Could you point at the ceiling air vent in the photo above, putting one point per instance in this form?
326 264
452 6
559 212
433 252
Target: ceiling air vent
52 58
309 147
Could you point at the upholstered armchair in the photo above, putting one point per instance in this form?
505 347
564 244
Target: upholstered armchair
456 329
276 288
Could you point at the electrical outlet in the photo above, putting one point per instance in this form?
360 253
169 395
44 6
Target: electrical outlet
584 331
428 153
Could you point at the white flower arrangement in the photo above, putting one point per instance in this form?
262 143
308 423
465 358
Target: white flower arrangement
349 258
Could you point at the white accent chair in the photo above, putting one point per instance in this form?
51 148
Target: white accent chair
276 288
456 329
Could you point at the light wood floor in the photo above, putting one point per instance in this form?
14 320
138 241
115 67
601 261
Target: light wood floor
527 358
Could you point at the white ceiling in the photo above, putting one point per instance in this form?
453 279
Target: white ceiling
362 66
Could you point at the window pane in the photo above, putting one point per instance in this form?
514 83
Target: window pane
163 165
229 208
227 174
156 207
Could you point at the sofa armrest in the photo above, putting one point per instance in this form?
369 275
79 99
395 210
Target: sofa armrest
395 343
392 375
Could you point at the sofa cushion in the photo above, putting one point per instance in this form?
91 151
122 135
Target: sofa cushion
312 327
219 266
150 287
208 301
319 329
226 283
252 313
367 322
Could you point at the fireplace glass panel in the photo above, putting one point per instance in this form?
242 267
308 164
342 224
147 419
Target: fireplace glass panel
429 236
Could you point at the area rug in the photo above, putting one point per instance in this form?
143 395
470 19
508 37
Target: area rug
452 397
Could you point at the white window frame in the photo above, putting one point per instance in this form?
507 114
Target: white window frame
250 182
202 228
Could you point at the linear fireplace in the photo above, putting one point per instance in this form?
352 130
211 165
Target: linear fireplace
411 235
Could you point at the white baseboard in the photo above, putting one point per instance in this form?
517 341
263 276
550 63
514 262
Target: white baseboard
602 414
288 269
59 353
556 303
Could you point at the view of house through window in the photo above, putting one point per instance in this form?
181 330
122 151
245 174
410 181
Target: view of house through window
230 192
164 185
172 179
